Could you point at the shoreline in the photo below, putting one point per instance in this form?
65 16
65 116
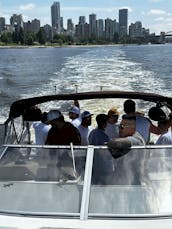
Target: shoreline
67 46
59 46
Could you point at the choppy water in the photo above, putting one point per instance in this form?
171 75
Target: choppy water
37 71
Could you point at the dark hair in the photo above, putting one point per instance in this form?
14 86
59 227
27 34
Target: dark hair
101 119
129 106
129 117
44 117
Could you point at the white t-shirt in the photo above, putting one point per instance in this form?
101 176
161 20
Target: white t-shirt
136 139
165 139
84 132
112 130
143 127
41 132
76 122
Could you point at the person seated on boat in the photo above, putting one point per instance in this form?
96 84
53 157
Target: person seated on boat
143 125
166 135
74 115
41 130
128 136
98 135
85 127
103 165
61 132
112 128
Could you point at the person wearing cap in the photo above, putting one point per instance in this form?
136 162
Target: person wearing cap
74 115
166 135
61 132
85 127
112 128
41 130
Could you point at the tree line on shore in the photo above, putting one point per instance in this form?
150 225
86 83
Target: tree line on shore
19 37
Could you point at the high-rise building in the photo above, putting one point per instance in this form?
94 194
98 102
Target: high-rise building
100 29
82 20
92 25
135 29
35 25
109 29
32 26
70 27
55 17
2 24
48 31
123 22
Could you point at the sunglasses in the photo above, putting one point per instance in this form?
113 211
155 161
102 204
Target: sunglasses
121 126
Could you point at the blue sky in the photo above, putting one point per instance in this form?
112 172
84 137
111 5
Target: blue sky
154 14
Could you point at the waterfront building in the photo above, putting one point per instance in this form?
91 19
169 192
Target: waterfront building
82 20
35 25
16 21
109 29
116 26
135 29
55 17
2 24
70 27
92 25
123 22
32 26
100 28
48 31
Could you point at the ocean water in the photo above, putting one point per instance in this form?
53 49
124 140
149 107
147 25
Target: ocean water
42 71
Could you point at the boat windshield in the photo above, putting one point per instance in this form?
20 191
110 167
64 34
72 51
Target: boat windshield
85 182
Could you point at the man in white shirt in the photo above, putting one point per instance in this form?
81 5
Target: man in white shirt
129 163
128 136
74 115
143 125
85 127
41 130
166 135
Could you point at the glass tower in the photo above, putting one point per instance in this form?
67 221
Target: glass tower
123 22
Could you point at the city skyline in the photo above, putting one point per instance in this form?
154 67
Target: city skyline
154 14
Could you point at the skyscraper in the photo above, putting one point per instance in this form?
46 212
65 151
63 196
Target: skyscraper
55 17
123 22
2 24
92 25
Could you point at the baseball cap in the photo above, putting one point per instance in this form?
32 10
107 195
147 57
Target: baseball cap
53 114
113 111
75 110
86 114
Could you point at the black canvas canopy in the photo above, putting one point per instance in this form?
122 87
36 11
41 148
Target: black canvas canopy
18 107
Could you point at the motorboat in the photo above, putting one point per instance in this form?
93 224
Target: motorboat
51 186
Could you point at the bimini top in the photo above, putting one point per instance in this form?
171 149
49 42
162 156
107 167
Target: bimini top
18 107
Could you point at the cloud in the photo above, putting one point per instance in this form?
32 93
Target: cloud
29 6
90 9
157 12
159 19
156 1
